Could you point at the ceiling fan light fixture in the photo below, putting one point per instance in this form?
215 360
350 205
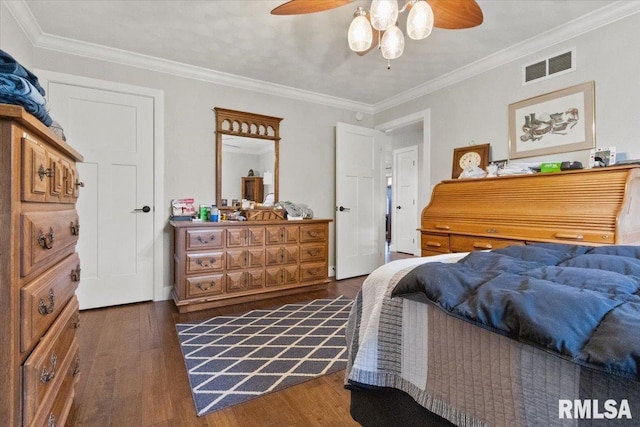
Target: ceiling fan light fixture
384 14
360 35
392 44
420 21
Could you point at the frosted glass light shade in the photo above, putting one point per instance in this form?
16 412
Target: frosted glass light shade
420 21
360 34
392 44
384 13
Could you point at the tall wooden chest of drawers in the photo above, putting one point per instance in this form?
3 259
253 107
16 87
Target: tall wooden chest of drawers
222 263
39 272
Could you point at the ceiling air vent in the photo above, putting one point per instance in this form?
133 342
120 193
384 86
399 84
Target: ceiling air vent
550 67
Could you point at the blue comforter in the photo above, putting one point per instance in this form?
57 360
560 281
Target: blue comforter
579 302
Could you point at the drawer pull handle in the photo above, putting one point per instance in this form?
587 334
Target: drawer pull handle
76 323
313 234
211 238
433 244
442 227
75 228
491 230
42 172
46 241
482 245
205 265
45 309
205 286
568 236
75 274
76 368
52 421
313 271
47 376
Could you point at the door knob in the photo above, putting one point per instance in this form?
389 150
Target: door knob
144 209
343 209
398 207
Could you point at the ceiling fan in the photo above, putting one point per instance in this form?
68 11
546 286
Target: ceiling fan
449 14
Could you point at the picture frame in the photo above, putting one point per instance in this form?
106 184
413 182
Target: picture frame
482 151
555 122
600 157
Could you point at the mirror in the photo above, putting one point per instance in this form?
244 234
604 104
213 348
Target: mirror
243 157
246 144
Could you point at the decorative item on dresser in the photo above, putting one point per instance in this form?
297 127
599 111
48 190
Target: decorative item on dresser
472 155
40 271
591 206
229 262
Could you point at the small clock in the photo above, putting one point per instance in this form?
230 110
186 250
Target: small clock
472 155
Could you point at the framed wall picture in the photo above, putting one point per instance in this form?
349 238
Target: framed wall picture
556 122
472 155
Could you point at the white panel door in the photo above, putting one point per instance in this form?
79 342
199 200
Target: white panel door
405 197
360 200
114 133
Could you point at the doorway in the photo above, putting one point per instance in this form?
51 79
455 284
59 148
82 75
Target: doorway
404 160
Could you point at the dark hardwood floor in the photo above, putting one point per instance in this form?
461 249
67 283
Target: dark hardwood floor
133 374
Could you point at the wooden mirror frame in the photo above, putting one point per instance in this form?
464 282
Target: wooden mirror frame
248 125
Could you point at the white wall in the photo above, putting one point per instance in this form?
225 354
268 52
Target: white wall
477 109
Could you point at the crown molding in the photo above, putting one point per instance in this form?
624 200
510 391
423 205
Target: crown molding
577 27
601 17
21 12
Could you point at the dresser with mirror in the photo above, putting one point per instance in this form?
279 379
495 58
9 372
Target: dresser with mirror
231 262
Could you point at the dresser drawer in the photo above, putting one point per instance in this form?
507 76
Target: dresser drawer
205 239
46 238
313 271
313 233
46 175
278 234
42 370
473 243
42 300
57 413
204 285
434 242
275 255
203 262
313 252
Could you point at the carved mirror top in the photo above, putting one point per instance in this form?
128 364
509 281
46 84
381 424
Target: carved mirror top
245 125
249 125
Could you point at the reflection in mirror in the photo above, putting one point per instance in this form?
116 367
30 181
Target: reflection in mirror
240 155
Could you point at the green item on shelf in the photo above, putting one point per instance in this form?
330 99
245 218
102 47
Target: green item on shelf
550 167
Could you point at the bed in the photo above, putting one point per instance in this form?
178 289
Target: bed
535 335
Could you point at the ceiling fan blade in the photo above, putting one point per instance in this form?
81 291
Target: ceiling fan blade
456 14
299 7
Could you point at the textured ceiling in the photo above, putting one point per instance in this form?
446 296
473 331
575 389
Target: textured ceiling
307 52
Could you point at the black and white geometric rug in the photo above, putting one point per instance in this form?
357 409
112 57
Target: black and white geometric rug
231 359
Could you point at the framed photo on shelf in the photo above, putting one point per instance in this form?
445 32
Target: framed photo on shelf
605 156
556 122
471 155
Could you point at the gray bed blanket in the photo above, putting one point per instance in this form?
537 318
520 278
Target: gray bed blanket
579 302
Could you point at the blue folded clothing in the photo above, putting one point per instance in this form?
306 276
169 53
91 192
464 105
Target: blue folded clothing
11 83
11 66
37 110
